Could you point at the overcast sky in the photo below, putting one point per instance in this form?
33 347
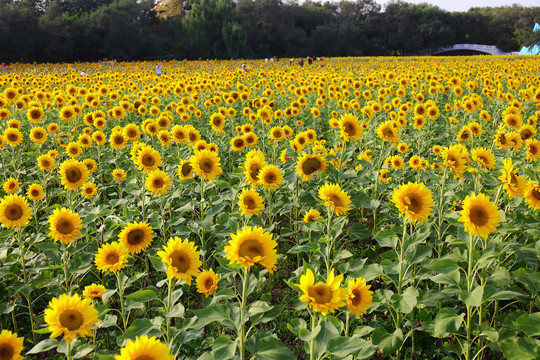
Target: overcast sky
464 5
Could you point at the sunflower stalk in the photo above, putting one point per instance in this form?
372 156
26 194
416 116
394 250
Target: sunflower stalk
242 330
65 261
169 309
121 289
470 280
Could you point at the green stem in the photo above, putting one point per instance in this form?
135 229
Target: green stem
347 316
330 241
243 315
68 352
65 261
312 341
469 288
169 309
121 296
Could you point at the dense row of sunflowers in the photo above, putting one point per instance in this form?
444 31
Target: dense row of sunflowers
350 207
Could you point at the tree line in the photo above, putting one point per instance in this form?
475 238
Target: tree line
90 30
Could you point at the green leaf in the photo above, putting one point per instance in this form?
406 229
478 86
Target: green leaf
328 331
226 314
408 300
141 296
529 324
388 343
44 345
307 335
386 238
446 322
177 311
473 298
309 247
342 346
83 351
107 294
522 349
271 348
444 266
138 327
261 312
295 325
530 278
222 349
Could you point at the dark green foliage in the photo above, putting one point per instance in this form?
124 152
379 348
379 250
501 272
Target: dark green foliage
82 30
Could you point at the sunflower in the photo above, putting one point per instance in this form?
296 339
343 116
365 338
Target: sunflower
513 183
38 135
136 236
13 137
118 140
483 157
94 291
73 150
250 202
270 177
132 132
252 168
456 160
388 131
207 282
359 297
415 161
64 225
312 215
71 316
14 211
402 147
238 143
73 174
351 128
251 246
533 149
11 185
90 164
157 182
182 259
111 257
144 348
323 297
35 192
68 113
309 165
465 134
414 201
11 346
532 195
148 159
206 164
479 216
337 199
185 170
217 121
46 162
89 190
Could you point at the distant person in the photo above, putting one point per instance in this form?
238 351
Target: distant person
3 66
301 62
272 60
266 60
158 69
310 60
291 61
244 69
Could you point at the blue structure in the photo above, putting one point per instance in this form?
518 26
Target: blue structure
534 49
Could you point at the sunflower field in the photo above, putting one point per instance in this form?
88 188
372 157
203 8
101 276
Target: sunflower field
356 208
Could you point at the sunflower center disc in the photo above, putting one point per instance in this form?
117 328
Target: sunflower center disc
144 357
12 137
321 293
254 171
112 258
186 169
250 249
413 203
336 200
148 160
118 140
6 352
206 165
180 260
357 297
73 174
270 178
65 226
71 319
478 216
135 237
208 283
158 183
310 166
536 193
250 203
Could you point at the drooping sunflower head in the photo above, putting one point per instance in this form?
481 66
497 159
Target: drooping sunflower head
251 246
250 202
206 164
64 225
514 184
414 201
73 174
136 236
185 170
111 257
323 297
312 215
144 348
11 346
182 259
71 316
533 149
334 197
479 216
532 195
360 297
14 211
207 282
